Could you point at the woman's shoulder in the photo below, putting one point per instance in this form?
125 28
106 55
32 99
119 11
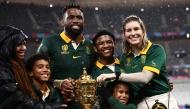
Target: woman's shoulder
157 46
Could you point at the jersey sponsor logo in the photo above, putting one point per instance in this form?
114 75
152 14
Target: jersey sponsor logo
143 59
74 57
128 61
88 51
64 48
153 63
133 67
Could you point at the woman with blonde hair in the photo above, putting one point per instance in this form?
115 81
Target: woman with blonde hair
143 64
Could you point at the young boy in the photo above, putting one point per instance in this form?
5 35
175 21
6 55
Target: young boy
39 70
104 45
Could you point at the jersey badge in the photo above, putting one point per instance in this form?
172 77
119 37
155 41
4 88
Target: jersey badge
143 59
65 48
128 61
88 51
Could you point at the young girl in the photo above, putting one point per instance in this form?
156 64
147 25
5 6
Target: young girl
117 95
144 65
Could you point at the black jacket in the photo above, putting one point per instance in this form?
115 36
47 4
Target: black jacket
10 95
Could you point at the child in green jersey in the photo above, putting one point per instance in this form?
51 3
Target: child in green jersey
117 95
104 45
39 70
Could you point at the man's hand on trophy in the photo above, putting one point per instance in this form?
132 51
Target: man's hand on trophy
67 86
69 97
72 81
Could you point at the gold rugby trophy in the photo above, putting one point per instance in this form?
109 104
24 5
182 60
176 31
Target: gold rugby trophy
86 90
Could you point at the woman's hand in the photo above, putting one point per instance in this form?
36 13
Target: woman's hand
103 77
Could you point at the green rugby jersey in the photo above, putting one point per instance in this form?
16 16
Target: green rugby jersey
116 104
65 61
152 58
100 69
53 96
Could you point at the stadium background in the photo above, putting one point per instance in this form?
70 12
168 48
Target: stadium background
167 23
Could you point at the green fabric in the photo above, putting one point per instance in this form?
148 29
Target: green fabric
74 105
53 96
154 60
65 61
116 104
97 71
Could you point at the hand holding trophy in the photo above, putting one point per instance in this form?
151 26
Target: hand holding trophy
86 90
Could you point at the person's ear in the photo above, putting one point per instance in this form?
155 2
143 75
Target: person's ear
114 45
95 49
123 34
30 73
62 22
144 32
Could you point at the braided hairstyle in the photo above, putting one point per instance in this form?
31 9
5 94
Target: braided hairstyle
10 38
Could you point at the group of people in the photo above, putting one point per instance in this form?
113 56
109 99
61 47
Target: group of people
46 80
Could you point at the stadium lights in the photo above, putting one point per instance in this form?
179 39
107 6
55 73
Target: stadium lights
142 9
96 8
187 8
51 5
187 35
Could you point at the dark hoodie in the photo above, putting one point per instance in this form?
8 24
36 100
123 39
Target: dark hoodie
10 95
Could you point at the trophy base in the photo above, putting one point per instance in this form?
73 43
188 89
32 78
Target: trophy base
87 106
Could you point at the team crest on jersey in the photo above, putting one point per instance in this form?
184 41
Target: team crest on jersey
153 64
143 59
65 48
88 51
128 61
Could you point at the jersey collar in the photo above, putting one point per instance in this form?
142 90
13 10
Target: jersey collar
67 39
47 90
99 65
144 50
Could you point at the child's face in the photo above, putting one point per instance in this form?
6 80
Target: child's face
41 71
105 46
121 92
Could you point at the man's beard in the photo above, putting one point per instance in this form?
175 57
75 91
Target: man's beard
73 33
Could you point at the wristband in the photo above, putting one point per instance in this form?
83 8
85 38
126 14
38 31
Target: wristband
57 83
117 75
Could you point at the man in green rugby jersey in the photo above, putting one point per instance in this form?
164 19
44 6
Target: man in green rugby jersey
69 52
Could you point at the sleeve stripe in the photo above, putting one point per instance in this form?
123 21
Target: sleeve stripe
153 69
